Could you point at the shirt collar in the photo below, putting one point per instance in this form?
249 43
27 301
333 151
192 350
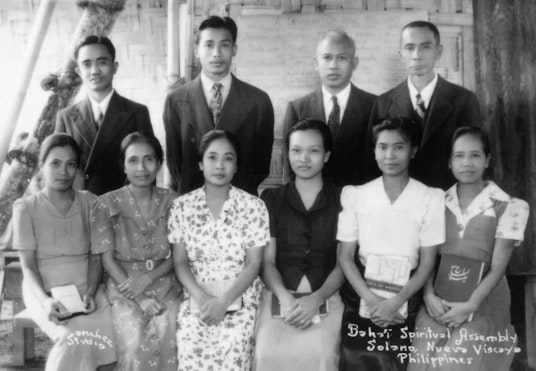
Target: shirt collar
483 201
342 100
103 105
207 84
426 92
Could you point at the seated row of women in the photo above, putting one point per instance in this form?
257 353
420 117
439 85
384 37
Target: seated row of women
309 240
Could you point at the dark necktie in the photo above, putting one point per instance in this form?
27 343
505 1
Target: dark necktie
334 118
420 108
216 101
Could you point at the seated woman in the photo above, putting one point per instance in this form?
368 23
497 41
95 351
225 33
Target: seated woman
393 224
300 265
482 223
218 233
129 230
51 232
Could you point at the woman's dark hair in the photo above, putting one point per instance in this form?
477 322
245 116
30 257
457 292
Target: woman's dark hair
213 135
311 124
476 132
58 140
140 137
410 130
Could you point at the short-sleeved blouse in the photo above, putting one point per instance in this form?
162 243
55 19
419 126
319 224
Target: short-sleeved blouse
59 240
416 219
512 222
117 225
217 248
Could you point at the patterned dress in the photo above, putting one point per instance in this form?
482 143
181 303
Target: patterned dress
216 251
144 342
492 214
61 243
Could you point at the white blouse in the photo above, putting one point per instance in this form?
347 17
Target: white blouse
416 219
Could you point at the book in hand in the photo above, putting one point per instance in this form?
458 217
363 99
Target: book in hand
386 276
278 312
457 278
217 289
69 297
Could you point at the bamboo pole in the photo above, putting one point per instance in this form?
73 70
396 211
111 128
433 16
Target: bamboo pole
173 35
39 30
98 18
187 53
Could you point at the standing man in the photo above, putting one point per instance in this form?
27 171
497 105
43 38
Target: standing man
101 121
216 99
439 106
340 104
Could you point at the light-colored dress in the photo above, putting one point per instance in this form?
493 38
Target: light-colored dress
492 214
144 342
416 220
216 251
305 257
62 246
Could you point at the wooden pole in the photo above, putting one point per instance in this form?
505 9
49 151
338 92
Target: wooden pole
187 53
39 30
98 18
173 45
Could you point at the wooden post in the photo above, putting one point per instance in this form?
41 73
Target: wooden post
187 53
98 18
173 36
39 30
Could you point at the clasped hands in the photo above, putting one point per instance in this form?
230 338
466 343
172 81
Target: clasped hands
449 314
57 312
301 312
384 312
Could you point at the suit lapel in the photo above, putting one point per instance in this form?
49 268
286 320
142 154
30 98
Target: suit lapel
115 118
439 110
82 118
316 106
352 116
401 101
197 112
236 107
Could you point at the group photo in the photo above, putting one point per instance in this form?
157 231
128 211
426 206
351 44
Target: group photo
268 186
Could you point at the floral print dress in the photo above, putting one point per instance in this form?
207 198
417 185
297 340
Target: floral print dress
144 342
216 251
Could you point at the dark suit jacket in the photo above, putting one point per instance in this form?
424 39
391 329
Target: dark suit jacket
451 106
100 151
346 164
247 113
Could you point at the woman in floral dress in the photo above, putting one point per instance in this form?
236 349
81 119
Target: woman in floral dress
129 230
218 233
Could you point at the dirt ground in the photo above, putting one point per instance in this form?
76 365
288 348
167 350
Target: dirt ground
42 347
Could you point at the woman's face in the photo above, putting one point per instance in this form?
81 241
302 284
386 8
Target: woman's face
306 153
141 164
219 163
393 153
59 168
468 160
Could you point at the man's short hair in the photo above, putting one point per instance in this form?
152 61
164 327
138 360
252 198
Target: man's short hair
218 22
339 36
93 39
423 24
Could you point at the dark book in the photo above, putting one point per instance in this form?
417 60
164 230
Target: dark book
277 310
457 277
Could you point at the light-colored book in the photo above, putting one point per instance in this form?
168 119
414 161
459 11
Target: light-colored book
217 289
69 296
386 276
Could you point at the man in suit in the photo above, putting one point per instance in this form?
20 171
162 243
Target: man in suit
102 120
216 99
340 104
439 106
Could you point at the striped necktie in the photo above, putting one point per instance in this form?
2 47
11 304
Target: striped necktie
420 108
334 118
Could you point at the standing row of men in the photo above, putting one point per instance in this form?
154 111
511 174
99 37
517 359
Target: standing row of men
216 99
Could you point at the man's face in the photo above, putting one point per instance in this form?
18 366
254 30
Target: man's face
419 51
335 63
215 51
96 68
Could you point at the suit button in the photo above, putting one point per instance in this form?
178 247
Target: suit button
193 139
86 177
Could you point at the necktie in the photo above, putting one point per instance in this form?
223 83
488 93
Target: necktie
216 101
421 109
334 118
100 119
